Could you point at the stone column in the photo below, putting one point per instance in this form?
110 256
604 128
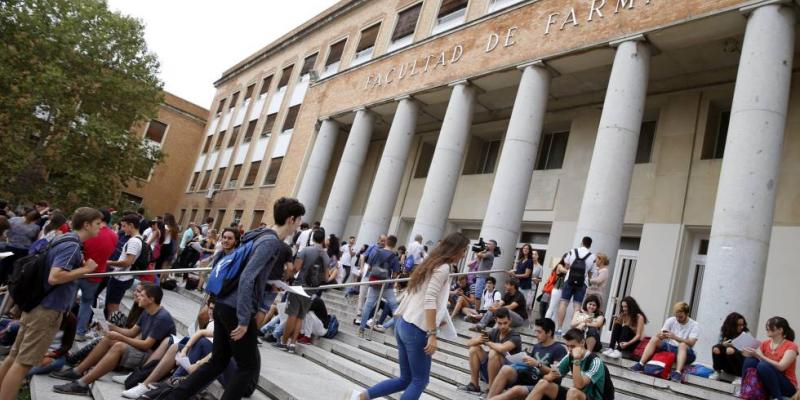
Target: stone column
740 231
383 196
318 166
512 179
605 196
440 186
334 219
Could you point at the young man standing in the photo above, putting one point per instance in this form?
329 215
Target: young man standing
39 326
348 252
387 258
416 250
98 249
118 285
576 281
539 362
120 347
486 262
588 374
235 330
501 340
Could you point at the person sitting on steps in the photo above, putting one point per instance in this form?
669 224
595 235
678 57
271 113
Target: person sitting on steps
678 335
627 329
728 358
500 341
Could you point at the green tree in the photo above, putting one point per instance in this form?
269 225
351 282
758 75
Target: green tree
75 78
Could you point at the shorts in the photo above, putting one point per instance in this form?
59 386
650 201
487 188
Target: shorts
37 329
297 306
133 358
562 393
690 356
526 375
116 290
575 293
266 301
484 370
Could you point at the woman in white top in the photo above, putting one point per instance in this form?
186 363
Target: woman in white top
422 311
598 282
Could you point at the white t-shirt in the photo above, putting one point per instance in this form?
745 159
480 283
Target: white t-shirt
590 262
689 330
346 258
303 239
133 247
489 298
417 250
210 327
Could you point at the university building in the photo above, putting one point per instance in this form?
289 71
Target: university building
668 131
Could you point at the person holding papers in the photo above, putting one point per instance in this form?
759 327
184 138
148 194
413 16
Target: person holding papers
727 358
775 360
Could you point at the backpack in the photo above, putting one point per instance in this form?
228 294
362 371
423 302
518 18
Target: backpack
141 262
333 327
752 388
380 270
577 270
224 276
660 365
409 266
317 274
608 384
27 282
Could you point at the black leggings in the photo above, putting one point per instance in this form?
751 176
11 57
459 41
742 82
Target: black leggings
620 334
730 363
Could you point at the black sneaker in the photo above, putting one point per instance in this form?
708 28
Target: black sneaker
471 388
68 374
72 388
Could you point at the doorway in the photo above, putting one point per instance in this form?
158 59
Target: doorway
622 282
694 278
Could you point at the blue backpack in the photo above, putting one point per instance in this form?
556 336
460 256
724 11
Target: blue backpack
333 327
409 263
224 276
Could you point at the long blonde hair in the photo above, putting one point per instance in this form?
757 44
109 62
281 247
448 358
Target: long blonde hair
453 245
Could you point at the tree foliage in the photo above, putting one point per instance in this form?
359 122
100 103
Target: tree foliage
75 78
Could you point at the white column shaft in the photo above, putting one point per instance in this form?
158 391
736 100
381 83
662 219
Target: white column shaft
318 166
334 219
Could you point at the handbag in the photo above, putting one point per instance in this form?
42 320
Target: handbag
660 365
752 388
639 350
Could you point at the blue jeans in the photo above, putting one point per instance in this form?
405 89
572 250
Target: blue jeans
775 382
372 301
200 349
480 285
88 291
415 365
55 365
690 356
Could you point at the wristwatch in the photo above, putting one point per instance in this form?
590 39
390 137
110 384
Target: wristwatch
431 332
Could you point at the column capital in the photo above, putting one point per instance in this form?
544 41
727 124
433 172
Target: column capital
748 9
540 64
635 38
404 97
464 82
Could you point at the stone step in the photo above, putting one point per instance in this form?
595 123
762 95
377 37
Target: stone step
42 388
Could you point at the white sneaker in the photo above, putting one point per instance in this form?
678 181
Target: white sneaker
607 351
615 354
714 376
355 395
120 379
737 382
136 391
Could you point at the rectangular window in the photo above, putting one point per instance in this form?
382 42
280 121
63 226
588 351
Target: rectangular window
220 176
368 37
237 169
249 92
272 172
716 132
237 217
265 85
268 125
291 118
233 100
308 64
552 151
406 22
647 135
220 140
195 177
193 215
234 136
285 75
206 214
425 158
183 215
251 128
258 216
220 106
218 221
252 173
206 178
451 6
335 53
155 131
209 138
489 156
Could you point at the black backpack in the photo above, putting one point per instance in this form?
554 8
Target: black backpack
577 270
608 384
141 262
27 282
317 274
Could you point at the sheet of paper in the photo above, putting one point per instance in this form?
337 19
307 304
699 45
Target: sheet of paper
100 318
518 358
6 254
291 289
745 341
446 328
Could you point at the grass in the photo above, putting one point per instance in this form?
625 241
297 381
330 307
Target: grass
24 392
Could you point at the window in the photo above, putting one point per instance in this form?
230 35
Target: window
220 140
265 85
258 216
251 128
218 181
335 53
206 178
646 137
155 131
237 217
252 173
291 118
195 177
272 172
133 200
183 215
716 132
268 125
406 22
249 92
206 214
218 221
489 156
308 64
481 156
234 135
237 169
208 143
497 5
425 159
366 44
233 100
193 215
285 75
451 14
451 6
552 150
220 106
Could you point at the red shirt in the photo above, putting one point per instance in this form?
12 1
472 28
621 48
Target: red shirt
777 355
99 249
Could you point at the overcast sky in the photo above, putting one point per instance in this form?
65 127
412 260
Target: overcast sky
197 40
